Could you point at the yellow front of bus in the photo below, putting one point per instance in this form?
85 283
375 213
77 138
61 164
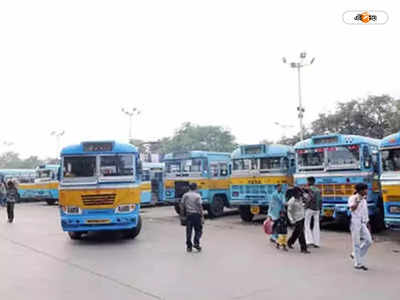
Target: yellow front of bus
100 189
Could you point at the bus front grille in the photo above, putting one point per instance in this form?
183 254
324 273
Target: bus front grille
99 199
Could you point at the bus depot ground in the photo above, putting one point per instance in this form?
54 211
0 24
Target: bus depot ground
39 261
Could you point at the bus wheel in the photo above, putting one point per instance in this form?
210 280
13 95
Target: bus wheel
75 235
216 208
177 208
50 201
245 213
132 233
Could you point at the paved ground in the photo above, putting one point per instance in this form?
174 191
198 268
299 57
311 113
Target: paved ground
39 261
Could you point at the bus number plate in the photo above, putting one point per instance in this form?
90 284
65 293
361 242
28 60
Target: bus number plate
105 221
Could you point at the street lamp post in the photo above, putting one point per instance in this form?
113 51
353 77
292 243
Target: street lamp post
130 113
58 134
298 65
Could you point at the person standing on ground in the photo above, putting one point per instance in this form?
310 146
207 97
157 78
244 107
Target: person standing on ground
12 195
296 216
275 207
359 226
313 208
193 210
3 193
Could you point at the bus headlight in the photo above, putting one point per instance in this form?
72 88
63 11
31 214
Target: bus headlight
125 208
72 210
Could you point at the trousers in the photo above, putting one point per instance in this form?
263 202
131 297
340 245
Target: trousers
193 221
10 211
312 235
298 233
359 231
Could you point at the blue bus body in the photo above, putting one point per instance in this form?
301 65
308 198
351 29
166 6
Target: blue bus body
256 171
338 162
152 186
100 188
390 179
209 170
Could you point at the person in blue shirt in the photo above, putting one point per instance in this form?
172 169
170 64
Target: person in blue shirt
275 206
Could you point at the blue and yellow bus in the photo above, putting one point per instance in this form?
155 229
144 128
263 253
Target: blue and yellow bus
23 177
390 179
100 188
338 162
256 170
152 187
209 170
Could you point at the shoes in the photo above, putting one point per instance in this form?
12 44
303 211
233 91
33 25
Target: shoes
285 249
305 251
188 249
351 256
272 240
198 248
315 246
364 268
290 246
10 221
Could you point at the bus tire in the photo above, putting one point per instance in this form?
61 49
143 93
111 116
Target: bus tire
216 207
245 213
177 208
132 233
75 235
50 201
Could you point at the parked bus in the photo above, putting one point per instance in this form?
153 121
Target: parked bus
390 179
100 188
45 185
22 177
209 170
256 170
152 187
338 162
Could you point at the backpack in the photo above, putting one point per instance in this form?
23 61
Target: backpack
310 201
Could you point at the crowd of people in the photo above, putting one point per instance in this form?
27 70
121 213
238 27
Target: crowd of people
299 206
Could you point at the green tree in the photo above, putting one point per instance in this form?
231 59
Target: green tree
194 137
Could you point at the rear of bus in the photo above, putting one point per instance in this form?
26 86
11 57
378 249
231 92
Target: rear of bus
256 171
46 183
390 180
99 189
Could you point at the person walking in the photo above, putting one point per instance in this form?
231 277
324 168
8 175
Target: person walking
313 207
193 210
12 195
296 216
275 207
359 226
3 192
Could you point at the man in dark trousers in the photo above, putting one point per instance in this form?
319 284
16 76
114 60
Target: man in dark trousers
193 210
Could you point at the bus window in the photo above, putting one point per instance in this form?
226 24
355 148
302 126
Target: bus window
173 167
116 165
268 163
311 158
146 175
192 165
80 166
214 170
338 156
391 160
223 167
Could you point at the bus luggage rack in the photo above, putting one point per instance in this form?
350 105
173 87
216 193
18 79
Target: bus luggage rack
100 199
336 189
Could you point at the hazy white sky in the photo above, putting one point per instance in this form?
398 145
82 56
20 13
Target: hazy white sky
72 65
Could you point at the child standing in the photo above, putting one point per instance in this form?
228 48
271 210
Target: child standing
280 228
12 195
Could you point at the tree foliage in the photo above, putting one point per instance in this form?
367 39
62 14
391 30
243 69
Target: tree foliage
194 137
11 160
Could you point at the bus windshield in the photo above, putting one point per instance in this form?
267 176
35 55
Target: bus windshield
43 174
173 166
79 166
270 163
146 175
192 165
245 164
311 159
344 156
116 165
391 160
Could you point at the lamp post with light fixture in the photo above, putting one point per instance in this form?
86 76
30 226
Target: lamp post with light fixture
130 113
298 65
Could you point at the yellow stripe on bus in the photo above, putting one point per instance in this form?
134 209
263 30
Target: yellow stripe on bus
44 185
391 193
262 180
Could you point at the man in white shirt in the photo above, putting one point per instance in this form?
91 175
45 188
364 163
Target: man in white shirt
359 229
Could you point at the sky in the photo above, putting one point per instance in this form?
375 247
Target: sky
72 65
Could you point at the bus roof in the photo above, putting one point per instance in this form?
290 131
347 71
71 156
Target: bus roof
327 140
262 150
99 147
194 154
390 141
